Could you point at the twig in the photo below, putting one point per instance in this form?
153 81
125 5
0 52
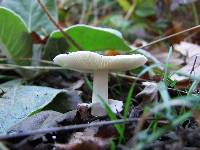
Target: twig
67 128
27 59
128 77
67 37
74 127
12 66
165 38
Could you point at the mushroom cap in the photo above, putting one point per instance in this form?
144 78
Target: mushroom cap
86 61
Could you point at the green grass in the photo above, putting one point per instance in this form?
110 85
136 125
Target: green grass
193 87
166 110
128 101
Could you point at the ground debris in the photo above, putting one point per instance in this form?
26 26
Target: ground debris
85 140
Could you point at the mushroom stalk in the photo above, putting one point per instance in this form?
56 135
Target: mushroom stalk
100 89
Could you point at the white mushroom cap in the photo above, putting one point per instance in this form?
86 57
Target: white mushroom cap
86 61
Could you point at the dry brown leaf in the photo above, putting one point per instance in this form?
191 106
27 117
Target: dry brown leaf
175 27
187 49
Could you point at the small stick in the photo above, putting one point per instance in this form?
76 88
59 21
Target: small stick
67 37
73 127
128 77
67 128
193 65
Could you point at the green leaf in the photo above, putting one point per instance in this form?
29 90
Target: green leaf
20 101
88 38
145 8
124 4
15 41
31 12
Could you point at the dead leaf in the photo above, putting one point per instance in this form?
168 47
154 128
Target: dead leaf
85 140
37 39
176 3
149 93
162 53
84 111
175 27
175 59
42 120
192 68
187 49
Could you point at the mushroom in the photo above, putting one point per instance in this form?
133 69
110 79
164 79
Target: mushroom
100 66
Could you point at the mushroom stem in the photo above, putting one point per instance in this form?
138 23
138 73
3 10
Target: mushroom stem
100 89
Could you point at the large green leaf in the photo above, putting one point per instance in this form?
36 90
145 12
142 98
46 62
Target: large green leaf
15 40
20 101
88 38
33 15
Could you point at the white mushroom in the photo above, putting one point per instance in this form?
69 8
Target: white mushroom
90 62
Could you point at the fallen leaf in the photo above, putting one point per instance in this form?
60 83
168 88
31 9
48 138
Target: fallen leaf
175 59
192 68
149 93
20 101
161 54
187 49
176 3
37 39
175 27
85 140
42 120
